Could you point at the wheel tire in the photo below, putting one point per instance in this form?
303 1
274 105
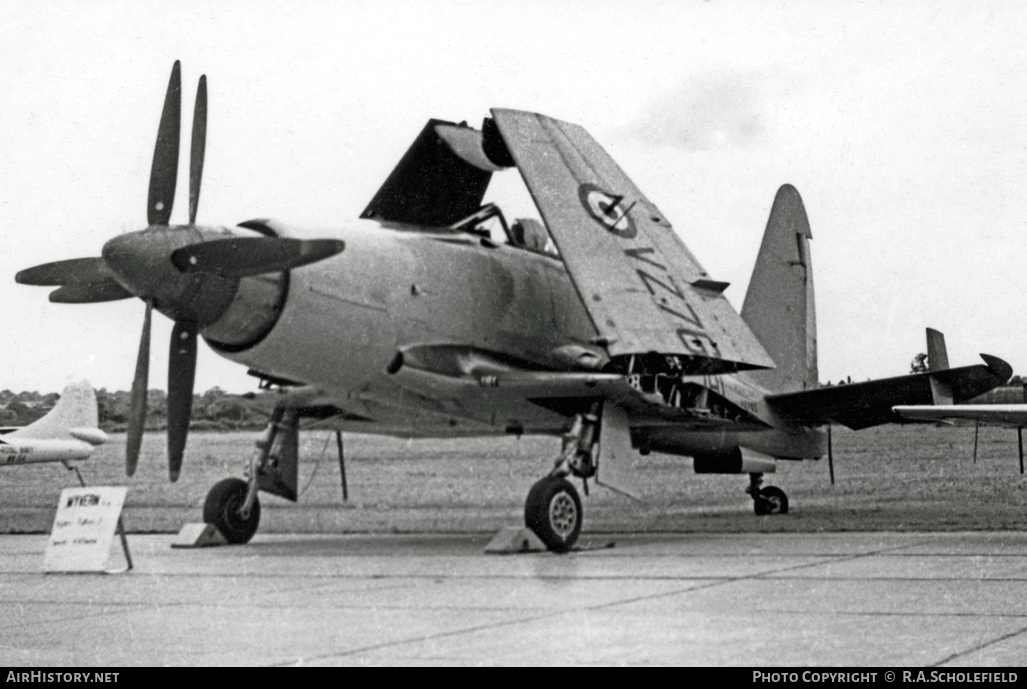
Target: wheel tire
772 500
221 509
553 511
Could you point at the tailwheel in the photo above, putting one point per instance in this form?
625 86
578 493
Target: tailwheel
553 511
222 509
771 500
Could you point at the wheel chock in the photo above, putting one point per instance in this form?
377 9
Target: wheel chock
199 535
515 539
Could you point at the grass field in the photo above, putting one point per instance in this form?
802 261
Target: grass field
889 478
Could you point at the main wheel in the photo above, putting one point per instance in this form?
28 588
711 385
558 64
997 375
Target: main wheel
222 510
553 512
772 500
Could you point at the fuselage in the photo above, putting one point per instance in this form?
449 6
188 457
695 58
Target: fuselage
14 450
342 321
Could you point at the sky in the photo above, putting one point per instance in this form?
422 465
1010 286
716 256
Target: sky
902 124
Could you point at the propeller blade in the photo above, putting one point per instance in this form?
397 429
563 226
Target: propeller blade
181 373
197 147
242 256
164 172
68 272
90 293
137 410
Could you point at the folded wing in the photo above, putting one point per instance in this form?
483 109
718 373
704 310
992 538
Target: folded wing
643 288
441 179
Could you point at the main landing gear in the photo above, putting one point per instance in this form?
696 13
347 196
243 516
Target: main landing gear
232 505
553 508
223 509
768 500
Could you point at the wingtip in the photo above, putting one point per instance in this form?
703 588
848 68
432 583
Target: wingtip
999 368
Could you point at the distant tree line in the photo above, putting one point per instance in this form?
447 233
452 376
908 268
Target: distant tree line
213 410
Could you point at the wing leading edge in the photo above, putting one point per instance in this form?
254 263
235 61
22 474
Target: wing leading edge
642 287
997 414
861 405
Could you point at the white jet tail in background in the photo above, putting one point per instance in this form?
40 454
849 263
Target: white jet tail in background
69 431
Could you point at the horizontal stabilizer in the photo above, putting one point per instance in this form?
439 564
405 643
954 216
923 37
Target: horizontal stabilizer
861 405
643 289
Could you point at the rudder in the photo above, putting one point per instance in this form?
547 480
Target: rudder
779 306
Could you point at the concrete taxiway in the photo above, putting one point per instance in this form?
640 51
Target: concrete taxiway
860 599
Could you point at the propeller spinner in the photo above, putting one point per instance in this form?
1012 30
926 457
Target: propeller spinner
186 272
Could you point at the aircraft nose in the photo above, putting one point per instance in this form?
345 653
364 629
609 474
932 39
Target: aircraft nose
141 262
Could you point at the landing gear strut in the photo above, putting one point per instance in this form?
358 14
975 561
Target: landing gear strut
232 504
553 508
768 500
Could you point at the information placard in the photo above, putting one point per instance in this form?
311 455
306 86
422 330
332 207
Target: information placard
83 529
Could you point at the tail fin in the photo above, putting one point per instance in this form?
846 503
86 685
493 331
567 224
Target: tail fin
779 306
74 415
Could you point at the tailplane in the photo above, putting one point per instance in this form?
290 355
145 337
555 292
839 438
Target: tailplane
75 415
779 306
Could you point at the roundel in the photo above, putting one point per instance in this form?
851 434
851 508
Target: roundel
608 209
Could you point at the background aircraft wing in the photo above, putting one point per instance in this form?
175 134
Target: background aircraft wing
441 179
642 287
997 414
861 405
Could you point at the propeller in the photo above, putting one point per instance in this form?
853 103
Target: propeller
189 273
181 374
197 147
79 281
89 293
161 200
137 408
243 256
68 272
164 170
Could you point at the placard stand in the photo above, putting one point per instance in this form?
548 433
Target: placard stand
83 530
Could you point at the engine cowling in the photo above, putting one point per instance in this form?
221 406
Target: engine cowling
257 303
253 312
